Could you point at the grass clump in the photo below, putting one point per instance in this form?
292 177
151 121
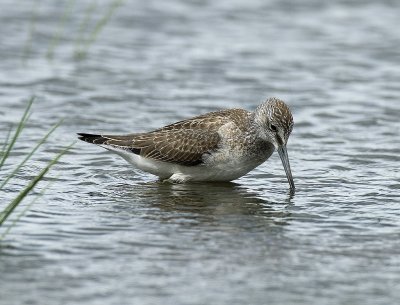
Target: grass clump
83 44
86 35
5 155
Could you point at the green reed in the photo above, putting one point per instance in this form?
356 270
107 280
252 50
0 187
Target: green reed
85 36
84 44
60 29
5 153
32 28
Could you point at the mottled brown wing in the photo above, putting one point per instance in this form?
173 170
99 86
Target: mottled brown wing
185 147
181 146
184 142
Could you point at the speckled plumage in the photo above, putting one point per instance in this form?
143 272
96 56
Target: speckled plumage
217 146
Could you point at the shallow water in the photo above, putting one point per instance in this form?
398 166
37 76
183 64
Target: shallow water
104 233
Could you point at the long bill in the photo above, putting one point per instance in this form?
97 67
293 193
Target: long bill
286 165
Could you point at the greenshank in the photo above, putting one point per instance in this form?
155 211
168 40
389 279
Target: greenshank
217 146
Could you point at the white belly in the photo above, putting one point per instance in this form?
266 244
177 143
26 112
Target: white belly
218 167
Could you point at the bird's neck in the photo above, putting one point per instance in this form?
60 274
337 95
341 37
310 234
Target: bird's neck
254 127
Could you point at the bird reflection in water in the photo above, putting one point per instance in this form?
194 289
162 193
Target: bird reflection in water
208 201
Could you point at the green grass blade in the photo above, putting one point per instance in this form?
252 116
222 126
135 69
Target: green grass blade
58 35
98 27
44 139
17 132
32 27
23 212
13 204
84 25
6 141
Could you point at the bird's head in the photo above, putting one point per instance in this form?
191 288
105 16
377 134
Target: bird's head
274 122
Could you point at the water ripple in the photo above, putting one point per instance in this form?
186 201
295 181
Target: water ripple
107 233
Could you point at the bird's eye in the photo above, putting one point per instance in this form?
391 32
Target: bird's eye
273 128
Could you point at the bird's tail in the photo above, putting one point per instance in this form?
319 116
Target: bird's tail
92 138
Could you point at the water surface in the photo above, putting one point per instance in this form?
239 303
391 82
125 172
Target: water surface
107 234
